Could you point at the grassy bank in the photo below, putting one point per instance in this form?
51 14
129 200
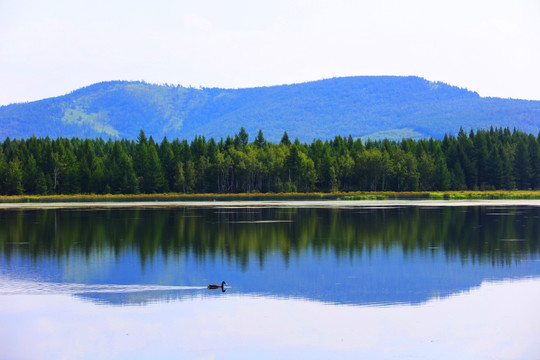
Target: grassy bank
450 195
447 195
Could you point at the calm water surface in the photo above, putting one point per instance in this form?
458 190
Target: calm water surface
394 282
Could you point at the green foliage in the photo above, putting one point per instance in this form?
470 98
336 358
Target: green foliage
13 178
483 160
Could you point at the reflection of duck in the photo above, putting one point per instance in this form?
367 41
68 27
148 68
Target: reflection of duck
222 286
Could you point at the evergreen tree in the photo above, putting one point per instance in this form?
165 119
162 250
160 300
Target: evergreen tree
458 177
260 141
426 171
494 169
30 174
357 148
98 180
327 178
293 165
57 169
372 168
154 179
166 156
203 167
241 139
121 176
179 178
534 156
13 183
285 139
190 176
70 183
3 171
308 175
332 179
481 155
229 143
507 178
346 165
212 150
198 148
522 166
465 152
442 178
405 172
41 184
141 161
86 161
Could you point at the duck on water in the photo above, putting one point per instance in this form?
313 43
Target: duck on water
222 286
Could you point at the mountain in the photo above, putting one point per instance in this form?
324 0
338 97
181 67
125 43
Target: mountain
365 106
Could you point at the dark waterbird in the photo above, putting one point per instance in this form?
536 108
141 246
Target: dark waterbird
222 286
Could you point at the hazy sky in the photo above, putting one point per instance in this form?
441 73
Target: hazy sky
51 47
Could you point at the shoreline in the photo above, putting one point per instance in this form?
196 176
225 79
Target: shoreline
266 203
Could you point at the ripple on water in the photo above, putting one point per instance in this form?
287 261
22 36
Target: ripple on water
21 287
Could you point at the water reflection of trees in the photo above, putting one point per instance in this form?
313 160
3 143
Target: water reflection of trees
468 233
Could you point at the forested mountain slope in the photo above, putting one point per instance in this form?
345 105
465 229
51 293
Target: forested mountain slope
371 106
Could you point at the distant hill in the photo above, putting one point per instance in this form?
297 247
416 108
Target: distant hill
365 106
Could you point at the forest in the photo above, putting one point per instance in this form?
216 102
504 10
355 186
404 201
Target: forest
375 107
494 159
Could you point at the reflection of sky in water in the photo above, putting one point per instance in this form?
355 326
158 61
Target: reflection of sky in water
496 320
379 276
385 283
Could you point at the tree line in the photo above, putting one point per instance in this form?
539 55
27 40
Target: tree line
492 159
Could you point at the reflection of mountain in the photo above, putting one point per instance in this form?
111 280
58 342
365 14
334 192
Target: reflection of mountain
381 256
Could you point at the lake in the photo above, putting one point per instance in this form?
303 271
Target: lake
377 282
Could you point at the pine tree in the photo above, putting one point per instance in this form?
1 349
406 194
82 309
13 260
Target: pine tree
121 176
13 183
203 165
285 139
426 171
521 165
507 178
86 161
70 183
198 147
332 179
98 180
179 178
30 173
494 169
481 155
308 175
190 175
260 141
57 169
293 164
141 160
167 160
465 153
458 177
3 171
241 139
534 155
442 175
154 179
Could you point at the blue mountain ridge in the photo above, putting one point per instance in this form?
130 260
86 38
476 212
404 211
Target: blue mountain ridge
363 106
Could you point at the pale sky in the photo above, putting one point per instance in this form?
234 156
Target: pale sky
51 47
